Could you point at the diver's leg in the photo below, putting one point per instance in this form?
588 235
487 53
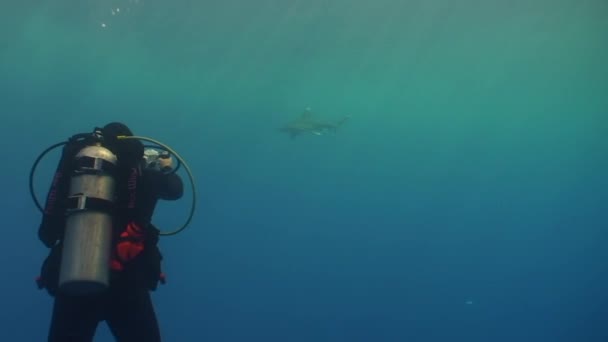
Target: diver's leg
131 317
74 319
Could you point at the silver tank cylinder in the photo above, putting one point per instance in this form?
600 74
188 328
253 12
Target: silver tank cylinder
87 241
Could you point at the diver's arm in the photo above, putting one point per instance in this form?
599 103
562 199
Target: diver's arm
168 186
172 187
50 230
53 218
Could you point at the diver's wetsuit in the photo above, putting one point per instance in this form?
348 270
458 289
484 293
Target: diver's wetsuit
126 306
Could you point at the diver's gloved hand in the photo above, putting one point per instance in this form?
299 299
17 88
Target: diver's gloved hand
49 231
165 162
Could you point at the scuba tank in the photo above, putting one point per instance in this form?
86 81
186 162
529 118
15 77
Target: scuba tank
87 242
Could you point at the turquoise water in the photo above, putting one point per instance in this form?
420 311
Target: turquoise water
464 200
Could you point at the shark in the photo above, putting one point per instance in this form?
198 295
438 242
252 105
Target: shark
306 123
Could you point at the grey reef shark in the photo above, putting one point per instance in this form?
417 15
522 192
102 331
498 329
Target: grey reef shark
306 123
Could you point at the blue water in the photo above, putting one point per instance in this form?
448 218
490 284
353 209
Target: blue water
464 200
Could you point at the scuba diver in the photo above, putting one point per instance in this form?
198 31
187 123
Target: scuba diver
104 259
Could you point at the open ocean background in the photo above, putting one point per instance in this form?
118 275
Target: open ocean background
466 199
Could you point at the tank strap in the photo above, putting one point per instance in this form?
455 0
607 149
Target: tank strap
94 165
80 202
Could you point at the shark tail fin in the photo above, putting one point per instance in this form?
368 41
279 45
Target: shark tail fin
343 120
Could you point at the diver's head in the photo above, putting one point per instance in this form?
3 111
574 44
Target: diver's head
116 129
127 150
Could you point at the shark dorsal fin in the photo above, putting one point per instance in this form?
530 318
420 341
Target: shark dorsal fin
306 114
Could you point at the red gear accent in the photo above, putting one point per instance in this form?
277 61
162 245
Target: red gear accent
130 245
133 231
115 265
